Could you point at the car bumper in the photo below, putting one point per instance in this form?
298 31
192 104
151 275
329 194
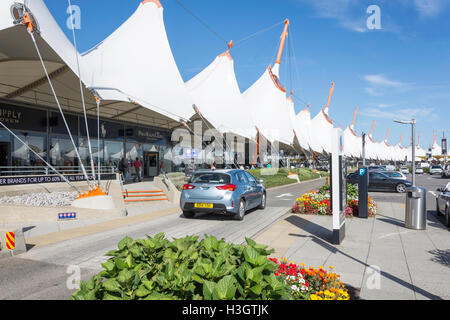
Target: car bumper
222 206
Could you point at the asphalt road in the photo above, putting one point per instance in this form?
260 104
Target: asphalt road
429 182
43 272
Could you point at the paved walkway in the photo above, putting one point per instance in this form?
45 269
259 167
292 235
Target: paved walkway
378 256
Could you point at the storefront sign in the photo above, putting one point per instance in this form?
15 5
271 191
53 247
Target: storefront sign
20 180
22 118
10 116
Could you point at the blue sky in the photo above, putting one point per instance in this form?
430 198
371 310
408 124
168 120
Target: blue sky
400 71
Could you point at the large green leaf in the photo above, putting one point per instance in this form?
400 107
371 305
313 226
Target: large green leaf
142 291
211 243
125 276
109 265
208 289
225 288
124 242
112 285
250 255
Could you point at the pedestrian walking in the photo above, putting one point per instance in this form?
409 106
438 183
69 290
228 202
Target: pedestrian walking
122 167
137 167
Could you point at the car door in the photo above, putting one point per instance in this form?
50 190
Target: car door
246 189
377 182
256 191
442 199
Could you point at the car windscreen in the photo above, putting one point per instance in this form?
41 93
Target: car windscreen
210 177
436 167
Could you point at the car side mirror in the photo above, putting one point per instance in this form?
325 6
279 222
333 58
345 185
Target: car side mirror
440 189
261 181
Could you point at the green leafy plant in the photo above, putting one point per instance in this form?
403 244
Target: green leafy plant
186 268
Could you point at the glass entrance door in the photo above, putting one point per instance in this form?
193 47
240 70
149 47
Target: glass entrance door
4 154
151 164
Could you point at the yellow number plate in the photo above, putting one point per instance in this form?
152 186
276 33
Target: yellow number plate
203 205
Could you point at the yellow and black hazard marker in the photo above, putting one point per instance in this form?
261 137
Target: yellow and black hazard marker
10 240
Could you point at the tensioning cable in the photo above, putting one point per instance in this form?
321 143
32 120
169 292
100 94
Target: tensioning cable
30 32
81 91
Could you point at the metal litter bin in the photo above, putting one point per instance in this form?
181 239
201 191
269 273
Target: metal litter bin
416 209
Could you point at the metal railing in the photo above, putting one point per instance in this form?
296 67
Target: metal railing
44 170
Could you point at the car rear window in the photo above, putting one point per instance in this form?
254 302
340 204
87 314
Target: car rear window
211 177
435 167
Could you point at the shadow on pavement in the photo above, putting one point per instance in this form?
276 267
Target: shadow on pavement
435 221
217 216
322 237
395 222
441 256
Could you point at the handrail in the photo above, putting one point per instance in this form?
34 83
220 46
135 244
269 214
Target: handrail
165 179
44 170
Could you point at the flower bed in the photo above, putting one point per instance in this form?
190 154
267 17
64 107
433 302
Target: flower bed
318 202
311 283
211 269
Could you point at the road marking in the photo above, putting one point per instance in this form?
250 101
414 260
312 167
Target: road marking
393 234
285 195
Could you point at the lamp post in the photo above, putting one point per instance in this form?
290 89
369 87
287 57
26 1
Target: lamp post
412 122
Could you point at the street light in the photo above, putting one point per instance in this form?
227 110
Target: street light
412 122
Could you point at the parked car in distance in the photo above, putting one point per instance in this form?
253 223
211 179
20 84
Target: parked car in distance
377 168
446 171
419 170
395 174
404 170
231 191
443 203
435 170
379 181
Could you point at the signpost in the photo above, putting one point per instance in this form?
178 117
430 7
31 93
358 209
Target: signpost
363 192
189 163
338 185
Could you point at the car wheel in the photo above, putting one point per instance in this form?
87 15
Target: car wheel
437 208
400 188
241 211
262 206
447 217
188 214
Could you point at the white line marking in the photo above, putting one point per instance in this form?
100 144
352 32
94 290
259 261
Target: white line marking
285 195
393 234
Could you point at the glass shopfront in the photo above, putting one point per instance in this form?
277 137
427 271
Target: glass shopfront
22 156
62 152
45 132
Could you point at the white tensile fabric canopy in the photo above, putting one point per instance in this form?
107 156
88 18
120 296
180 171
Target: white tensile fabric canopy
371 152
135 63
302 128
269 107
352 143
216 94
321 128
436 150
49 30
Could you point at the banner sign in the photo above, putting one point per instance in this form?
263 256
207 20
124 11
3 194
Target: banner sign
444 146
190 153
20 180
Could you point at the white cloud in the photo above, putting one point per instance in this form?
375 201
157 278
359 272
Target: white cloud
430 8
380 83
401 114
346 12
380 80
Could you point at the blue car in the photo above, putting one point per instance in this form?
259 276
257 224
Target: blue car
225 191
